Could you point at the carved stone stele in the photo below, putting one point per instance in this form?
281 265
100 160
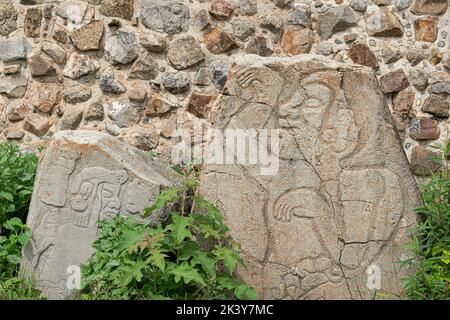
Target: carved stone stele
333 220
84 177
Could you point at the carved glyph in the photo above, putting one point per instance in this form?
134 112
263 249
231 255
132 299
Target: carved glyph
343 196
83 178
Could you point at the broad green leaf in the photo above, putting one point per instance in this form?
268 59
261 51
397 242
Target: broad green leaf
7 196
229 257
188 273
157 258
205 261
24 238
130 238
13 224
188 249
179 228
209 231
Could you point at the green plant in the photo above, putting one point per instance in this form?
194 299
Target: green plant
188 257
16 182
16 186
431 239
13 287
11 246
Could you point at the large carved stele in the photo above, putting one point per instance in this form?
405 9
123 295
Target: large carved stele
84 177
333 221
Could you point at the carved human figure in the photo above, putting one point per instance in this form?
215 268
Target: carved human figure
335 205
96 194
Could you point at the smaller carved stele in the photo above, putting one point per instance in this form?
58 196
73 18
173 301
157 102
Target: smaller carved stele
84 177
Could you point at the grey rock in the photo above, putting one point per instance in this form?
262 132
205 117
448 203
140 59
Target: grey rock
122 47
440 83
40 64
17 110
429 7
324 48
243 29
85 177
13 49
71 119
176 82
79 65
14 86
73 11
184 52
117 8
359 5
415 55
418 78
137 94
259 45
201 77
301 16
145 68
109 83
112 129
271 21
402 4
37 124
14 134
437 106
382 22
124 113
165 15
94 112
8 18
55 51
218 72
248 7
281 3
336 19
32 23
152 41
391 54
202 19
77 94
144 137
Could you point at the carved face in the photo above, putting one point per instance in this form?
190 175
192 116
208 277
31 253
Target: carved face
96 193
340 135
110 199
308 106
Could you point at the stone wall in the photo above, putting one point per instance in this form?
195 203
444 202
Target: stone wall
138 69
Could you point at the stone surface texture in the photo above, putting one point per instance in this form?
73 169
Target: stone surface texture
84 177
343 195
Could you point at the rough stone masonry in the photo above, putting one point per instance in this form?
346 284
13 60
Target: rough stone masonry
341 203
138 69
